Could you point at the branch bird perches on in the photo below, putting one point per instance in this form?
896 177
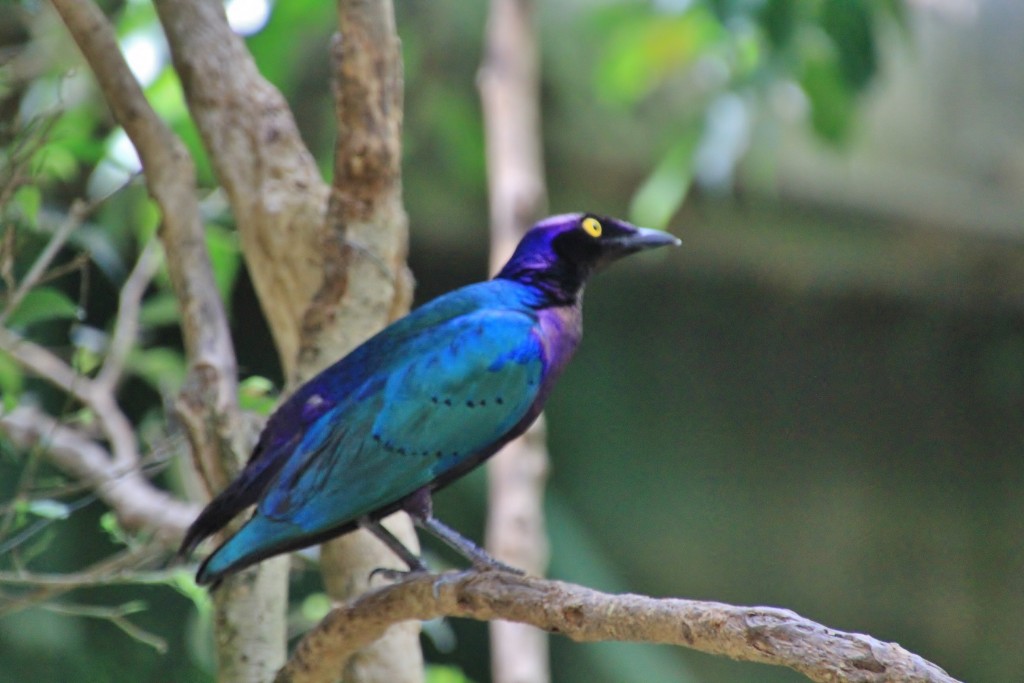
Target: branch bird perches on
767 635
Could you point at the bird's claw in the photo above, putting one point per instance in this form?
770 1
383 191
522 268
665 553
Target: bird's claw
493 565
396 575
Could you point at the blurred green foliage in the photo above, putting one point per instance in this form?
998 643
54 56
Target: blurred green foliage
708 440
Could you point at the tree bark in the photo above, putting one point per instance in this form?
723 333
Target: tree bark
250 614
327 263
509 83
767 635
365 286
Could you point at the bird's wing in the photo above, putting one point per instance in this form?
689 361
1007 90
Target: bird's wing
453 396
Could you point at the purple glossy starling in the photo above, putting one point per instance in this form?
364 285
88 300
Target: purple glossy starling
418 405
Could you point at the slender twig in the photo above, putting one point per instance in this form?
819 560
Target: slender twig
116 616
138 504
119 568
112 420
755 634
126 326
37 526
76 214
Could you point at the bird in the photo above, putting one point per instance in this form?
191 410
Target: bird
418 405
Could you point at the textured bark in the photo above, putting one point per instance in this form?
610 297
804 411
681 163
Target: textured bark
251 625
272 182
509 83
754 634
328 264
365 285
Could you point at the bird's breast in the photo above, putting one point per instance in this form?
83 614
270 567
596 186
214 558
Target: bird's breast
561 328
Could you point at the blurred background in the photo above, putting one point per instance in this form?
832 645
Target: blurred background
816 403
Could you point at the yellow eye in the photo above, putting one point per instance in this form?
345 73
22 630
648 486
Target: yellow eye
592 226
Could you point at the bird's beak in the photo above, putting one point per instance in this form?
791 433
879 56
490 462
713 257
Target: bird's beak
646 238
640 240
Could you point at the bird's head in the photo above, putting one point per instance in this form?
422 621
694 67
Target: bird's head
561 252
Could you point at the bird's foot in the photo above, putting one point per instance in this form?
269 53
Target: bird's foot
448 578
397 575
486 563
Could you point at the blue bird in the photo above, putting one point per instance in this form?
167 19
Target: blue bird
418 405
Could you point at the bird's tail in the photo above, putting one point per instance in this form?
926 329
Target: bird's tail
239 494
258 539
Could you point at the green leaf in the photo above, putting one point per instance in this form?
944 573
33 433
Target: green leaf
42 304
661 195
162 368
315 607
829 95
147 217
159 310
56 161
848 23
439 673
109 524
256 394
85 360
48 509
643 50
11 381
29 199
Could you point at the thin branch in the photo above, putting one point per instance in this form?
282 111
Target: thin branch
74 218
138 504
755 634
208 404
126 326
116 616
120 568
112 420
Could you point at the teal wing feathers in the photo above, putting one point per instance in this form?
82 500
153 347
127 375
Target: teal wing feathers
423 410
468 384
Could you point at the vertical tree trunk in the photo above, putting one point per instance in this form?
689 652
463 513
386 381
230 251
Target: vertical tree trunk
328 264
510 91
366 285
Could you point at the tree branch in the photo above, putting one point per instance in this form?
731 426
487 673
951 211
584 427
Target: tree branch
250 607
272 181
754 634
120 568
208 401
126 325
74 218
124 456
138 504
